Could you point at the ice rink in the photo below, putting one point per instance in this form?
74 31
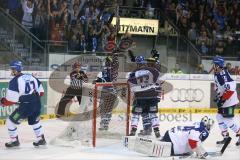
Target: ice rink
104 150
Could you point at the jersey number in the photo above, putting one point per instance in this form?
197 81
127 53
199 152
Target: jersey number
29 85
143 81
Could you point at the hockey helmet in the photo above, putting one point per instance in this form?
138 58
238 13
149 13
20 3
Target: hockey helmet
218 60
17 65
140 59
208 122
76 65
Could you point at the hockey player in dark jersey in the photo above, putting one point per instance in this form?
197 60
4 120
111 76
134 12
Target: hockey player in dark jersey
144 82
77 78
108 95
226 99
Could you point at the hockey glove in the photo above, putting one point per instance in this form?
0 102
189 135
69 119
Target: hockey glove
220 102
5 102
2 101
204 156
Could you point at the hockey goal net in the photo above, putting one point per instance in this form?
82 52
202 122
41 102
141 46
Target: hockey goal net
101 119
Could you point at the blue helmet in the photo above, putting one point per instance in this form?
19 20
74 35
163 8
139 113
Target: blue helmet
218 60
140 59
17 65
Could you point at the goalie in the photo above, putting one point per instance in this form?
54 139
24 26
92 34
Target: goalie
178 141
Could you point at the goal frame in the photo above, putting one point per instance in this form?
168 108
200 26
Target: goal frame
95 95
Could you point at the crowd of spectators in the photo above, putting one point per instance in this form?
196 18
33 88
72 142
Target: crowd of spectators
84 24
211 25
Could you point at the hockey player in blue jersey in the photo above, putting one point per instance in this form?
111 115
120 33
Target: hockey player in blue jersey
226 99
24 90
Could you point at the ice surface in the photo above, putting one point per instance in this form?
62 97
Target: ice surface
105 150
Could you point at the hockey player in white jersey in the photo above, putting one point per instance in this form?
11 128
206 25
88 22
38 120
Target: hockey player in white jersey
24 90
226 99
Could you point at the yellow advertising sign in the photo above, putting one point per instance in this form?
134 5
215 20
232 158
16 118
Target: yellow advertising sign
137 26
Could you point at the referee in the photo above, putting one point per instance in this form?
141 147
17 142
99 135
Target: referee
77 77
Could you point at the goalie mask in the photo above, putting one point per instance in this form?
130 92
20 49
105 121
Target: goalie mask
208 122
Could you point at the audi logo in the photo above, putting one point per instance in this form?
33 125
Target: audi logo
187 95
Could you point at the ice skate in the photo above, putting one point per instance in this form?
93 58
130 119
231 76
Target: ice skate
133 132
238 142
40 142
222 141
157 132
103 128
145 132
13 144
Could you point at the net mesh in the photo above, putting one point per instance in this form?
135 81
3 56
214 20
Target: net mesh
101 119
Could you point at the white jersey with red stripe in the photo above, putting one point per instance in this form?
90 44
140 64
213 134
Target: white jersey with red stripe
23 84
181 135
223 84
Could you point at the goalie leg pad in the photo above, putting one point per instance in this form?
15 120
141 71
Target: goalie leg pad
149 147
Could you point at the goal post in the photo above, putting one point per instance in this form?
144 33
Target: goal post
119 87
102 104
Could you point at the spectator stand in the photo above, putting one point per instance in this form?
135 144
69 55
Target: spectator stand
217 24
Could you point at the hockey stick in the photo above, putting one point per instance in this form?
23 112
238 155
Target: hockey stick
219 153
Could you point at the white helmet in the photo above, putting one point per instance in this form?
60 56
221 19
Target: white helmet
208 122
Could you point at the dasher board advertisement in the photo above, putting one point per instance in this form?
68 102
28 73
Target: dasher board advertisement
187 94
